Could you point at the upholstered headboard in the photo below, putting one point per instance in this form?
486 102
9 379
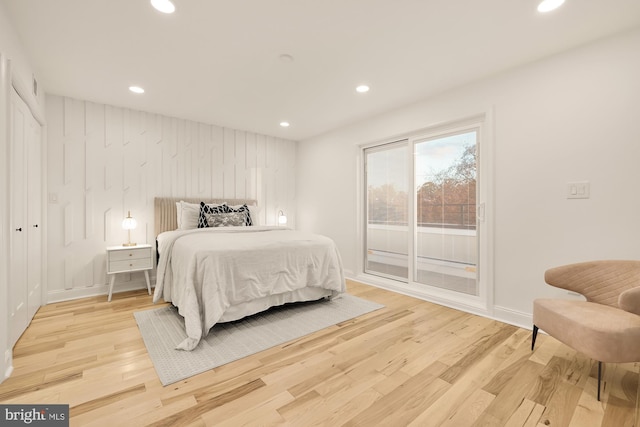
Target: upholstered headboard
165 217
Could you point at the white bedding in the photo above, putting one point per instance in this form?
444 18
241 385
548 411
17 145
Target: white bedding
225 273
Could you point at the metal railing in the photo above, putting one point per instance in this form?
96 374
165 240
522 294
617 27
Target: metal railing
452 215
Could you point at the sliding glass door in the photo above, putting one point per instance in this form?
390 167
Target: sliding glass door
446 238
387 184
421 198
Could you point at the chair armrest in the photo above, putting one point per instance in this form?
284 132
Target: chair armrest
629 300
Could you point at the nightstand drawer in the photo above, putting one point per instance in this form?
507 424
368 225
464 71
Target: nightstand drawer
129 264
129 254
128 259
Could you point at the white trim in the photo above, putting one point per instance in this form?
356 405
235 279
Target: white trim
360 206
412 213
44 152
442 297
31 102
17 94
486 257
513 317
6 362
9 370
441 128
501 314
26 95
98 290
483 124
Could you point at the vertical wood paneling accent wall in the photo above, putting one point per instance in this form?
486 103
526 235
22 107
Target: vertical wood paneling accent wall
104 161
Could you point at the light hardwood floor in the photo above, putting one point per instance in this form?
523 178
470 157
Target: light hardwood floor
412 363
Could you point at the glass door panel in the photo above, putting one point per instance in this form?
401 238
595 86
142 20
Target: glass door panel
386 231
446 241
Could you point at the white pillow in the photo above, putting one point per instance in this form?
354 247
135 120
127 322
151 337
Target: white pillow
188 215
256 214
178 214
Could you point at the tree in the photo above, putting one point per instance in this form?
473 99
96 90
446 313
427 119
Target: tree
387 205
449 199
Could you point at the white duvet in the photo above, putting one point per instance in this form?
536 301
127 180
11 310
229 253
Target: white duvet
208 272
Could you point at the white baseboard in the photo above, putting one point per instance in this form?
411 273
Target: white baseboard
501 314
349 274
468 306
96 290
513 317
8 372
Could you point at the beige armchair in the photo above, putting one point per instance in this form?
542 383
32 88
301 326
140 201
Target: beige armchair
606 327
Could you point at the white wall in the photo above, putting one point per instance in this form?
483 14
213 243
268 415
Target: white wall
13 66
104 161
22 73
571 117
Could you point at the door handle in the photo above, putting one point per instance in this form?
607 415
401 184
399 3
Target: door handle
19 229
35 226
480 212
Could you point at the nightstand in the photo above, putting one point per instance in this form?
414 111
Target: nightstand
127 259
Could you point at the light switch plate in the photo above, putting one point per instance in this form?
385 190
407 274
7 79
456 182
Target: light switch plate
578 190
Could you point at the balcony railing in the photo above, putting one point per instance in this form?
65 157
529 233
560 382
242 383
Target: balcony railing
452 215
453 244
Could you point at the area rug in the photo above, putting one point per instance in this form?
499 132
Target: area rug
163 328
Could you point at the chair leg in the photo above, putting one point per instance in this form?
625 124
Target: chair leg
599 378
533 337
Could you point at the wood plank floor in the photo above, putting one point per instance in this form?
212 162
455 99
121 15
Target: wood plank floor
412 363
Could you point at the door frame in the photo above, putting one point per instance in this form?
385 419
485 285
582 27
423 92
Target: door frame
9 80
482 303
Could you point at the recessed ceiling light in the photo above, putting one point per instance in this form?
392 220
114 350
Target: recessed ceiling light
284 124
362 89
164 6
136 89
549 5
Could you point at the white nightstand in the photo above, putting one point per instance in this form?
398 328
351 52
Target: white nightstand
126 259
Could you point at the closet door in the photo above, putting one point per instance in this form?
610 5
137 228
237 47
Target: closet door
34 218
18 291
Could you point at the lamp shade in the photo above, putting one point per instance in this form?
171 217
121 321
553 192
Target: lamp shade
282 218
129 223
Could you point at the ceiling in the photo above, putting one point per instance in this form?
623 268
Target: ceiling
218 62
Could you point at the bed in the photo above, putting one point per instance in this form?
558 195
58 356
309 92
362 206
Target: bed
225 272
